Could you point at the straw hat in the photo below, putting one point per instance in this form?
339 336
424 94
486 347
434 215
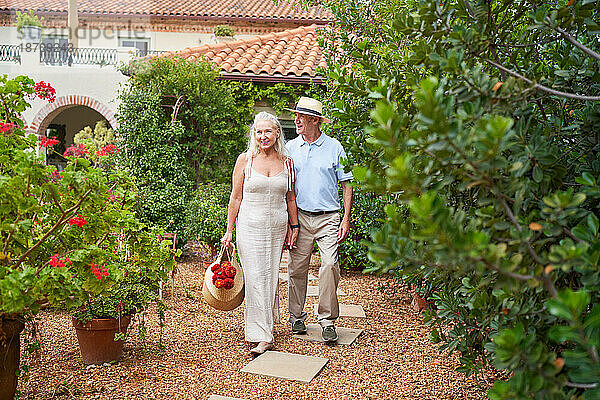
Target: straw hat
220 298
309 106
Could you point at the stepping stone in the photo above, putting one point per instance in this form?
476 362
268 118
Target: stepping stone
290 366
285 277
313 290
345 335
348 310
217 397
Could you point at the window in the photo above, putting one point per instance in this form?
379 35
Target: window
142 45
54 50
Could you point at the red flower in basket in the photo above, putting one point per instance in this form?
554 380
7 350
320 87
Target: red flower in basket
223 275
230 271
228 283
219 283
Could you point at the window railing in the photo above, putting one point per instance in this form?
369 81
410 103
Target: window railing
92 56
10 52
81 56
62 55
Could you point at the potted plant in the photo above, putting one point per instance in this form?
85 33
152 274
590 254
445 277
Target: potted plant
59 226
224 33
102 321
29 26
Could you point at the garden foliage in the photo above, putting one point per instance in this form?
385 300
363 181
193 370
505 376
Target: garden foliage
96 139
67 237
366 216
207 213
483 121
211 134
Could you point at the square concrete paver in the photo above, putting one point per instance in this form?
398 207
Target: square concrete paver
218 397
285 277
313 290
348 310
295 367
345 335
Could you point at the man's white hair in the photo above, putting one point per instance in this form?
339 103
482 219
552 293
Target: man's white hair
253 145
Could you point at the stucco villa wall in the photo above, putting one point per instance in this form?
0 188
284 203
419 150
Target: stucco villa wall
109 39
92 86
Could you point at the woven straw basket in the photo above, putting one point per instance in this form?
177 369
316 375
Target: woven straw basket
224 299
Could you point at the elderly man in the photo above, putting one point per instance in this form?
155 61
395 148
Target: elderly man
318 171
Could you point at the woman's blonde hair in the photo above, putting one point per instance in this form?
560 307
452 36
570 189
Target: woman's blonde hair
279 146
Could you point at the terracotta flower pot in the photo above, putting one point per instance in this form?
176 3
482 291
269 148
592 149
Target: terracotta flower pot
10 344
97 339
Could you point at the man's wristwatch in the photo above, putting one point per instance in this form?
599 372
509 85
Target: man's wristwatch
295 226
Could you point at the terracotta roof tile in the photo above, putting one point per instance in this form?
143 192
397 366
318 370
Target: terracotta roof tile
243 9
294 52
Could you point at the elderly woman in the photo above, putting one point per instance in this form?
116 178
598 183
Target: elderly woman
263 202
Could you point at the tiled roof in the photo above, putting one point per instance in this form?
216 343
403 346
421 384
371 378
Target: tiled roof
291 53
214 9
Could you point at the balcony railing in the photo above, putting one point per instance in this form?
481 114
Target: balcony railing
91 56
82 56
10 52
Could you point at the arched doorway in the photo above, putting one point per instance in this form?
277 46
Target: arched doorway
66 117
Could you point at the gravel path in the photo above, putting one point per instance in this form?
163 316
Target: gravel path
204 350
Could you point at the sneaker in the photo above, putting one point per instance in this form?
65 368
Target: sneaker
298 327
329 334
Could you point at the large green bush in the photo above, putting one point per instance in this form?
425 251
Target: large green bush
151 152
484 123
211 132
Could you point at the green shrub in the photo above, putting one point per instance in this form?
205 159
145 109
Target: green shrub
97 138
483 122
366 216
206 218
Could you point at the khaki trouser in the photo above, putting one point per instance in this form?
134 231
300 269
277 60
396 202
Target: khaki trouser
323 229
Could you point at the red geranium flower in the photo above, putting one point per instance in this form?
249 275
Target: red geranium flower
46 142
76 150
215 267
6 128
108 150
79 220
43 90
99 273
56 262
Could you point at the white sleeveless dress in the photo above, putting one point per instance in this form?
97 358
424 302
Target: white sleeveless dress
260 234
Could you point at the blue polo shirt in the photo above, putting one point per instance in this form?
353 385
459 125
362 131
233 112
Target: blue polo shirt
318 171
